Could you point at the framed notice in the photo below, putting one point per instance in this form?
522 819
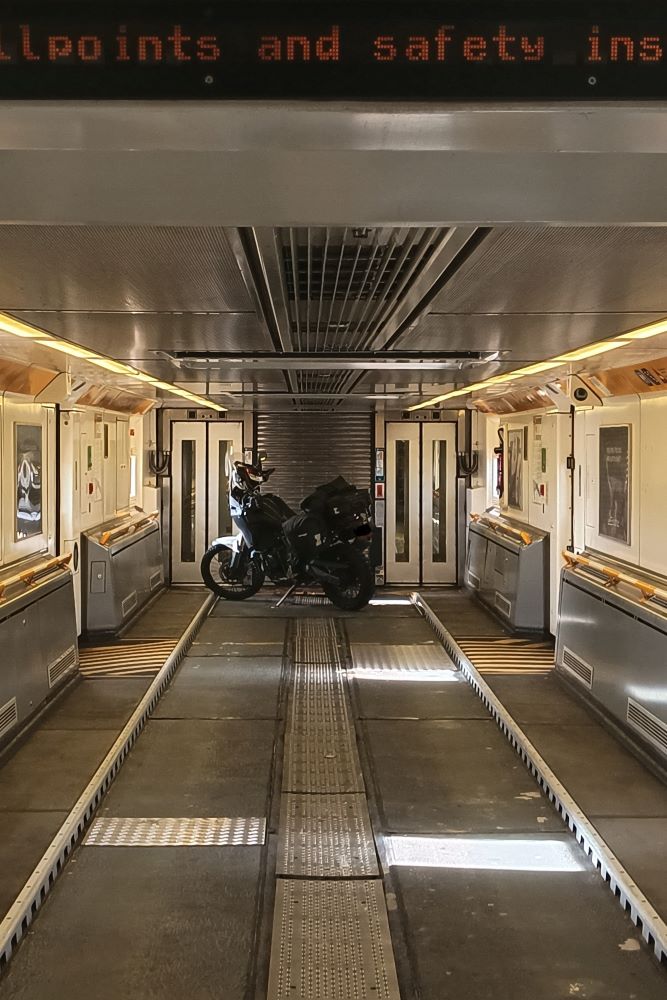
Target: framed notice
28 465
614 479
515 469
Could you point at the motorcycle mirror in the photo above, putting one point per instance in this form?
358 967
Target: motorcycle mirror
262 456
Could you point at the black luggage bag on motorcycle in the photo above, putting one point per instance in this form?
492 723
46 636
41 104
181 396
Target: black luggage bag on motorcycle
344 509
306 534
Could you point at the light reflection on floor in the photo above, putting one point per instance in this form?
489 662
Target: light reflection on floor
381 602
417 674
485 853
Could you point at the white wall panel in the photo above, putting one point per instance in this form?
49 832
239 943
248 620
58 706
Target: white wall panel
653 485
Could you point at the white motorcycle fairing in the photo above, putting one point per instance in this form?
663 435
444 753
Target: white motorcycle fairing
232 542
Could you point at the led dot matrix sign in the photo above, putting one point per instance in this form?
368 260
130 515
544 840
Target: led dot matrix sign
368 50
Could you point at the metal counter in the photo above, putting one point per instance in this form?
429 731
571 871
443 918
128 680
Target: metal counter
612 643
38 637
507 566
122 566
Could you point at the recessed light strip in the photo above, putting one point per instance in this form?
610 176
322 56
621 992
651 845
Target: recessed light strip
581 354
8 324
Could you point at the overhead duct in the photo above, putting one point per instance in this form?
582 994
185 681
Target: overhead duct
323 290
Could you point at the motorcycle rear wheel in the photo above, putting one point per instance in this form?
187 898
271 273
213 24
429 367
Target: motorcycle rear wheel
215 569
357 584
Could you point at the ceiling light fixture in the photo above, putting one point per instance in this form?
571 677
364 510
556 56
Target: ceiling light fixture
18 329
73 349
590 352
15 327
644 332
580 354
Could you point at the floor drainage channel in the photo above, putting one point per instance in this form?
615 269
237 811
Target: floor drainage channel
24 909
630 896
330 930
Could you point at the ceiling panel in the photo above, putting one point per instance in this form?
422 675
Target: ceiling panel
135 338
558 269
524 338
119 267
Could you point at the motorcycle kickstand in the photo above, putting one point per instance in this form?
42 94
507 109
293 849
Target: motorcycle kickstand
285 596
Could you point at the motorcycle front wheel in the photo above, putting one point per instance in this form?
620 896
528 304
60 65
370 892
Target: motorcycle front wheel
217 575
356 581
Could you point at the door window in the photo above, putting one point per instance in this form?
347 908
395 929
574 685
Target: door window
188 501
402 529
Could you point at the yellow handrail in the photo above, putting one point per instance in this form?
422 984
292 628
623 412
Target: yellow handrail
615 576
29 576
497 526
127 529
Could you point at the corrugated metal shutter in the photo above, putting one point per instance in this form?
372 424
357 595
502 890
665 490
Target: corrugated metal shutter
310 448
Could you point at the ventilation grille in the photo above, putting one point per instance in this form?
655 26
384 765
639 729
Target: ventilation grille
129 604
67 661
9 716
473 580
156 579
579 668
341 286
651 728
365 271
503 605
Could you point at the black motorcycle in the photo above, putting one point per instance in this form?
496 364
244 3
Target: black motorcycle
324 543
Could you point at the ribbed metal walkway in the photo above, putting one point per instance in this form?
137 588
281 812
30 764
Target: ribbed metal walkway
330 932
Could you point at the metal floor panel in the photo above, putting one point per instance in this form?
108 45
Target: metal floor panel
331 942
319 763
223 687
326 836
388 628
143 924
232 631
183 831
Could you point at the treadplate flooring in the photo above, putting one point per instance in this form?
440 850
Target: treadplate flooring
326 836
331 942
185 831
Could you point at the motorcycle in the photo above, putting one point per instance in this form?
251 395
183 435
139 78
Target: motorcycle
324 543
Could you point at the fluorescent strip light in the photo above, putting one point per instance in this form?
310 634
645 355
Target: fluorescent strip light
591 351
644 332
19 329
111 366
449 395
73 349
